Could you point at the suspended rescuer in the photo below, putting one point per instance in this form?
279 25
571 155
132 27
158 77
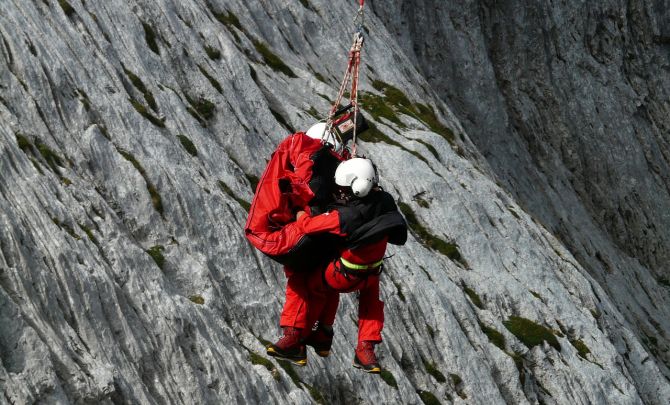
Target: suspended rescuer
367 219
299 177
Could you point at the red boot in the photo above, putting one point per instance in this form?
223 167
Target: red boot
365 357
321 340
289 347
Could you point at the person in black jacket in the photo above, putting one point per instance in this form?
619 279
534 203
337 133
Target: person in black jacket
367 218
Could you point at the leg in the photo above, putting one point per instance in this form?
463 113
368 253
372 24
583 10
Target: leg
330 309
293 320
318 297
294 313
322 308
330 297
370 312
370 324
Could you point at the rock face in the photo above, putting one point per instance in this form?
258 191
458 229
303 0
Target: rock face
526 143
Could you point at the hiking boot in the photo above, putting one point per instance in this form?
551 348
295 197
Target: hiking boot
321 340
365 358
289 347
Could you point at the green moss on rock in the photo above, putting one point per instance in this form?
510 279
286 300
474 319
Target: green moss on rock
430 148
431 331
139 85
24 143
83 98
473 297
197 299
494 336
458 385
67 228
315 394
142 110
388 378
150 37
377 106
431 368
215 83
305 3
272 60
156 253
253 181
530 333
418 198
429 240
426 114
394 101
201 108
87 230
392 94
67 8
290 371
581 347
428 397
257 359
374 135
53 160
212 53
313 113
188 145
228 19
156 199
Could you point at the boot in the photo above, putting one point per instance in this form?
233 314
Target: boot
365 357
321 340
289 347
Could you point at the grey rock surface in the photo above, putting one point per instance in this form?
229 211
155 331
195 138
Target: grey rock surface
527 144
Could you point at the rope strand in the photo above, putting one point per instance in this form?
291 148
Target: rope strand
352 73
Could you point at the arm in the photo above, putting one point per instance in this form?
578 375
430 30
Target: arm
328 222
299 179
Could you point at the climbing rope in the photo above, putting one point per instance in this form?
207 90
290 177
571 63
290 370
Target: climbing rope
351 74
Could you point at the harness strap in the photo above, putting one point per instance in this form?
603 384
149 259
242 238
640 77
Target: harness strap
360 274
353 266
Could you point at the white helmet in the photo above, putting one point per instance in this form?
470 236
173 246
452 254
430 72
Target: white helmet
357 173
317 131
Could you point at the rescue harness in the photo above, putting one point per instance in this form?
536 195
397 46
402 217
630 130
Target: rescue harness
349 122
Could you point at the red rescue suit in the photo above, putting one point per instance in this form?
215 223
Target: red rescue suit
283 187
356 270
286 186
300 172
294 313
368 224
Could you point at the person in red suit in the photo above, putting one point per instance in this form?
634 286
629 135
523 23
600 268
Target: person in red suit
366 219
298 178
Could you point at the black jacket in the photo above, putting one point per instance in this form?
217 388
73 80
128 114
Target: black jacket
368 219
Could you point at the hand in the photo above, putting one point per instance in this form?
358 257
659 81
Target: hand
299 214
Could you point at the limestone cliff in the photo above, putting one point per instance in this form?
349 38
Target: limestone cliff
526 143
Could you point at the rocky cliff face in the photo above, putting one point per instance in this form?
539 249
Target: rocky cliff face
527 145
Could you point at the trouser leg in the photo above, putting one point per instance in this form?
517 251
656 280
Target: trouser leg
370 312
294 313
370 307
